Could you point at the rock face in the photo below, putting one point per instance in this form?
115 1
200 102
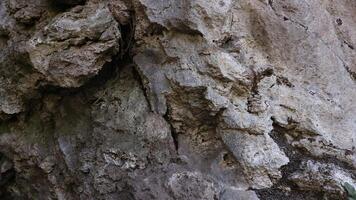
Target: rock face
194 99
75 45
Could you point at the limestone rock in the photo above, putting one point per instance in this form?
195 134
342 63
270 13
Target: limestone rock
75 45
191 185
324 177
260 157
168 99
210 18
238 195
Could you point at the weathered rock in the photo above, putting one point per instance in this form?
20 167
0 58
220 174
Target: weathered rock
238 195
69 2
191 185
26 12
16 77
259 156
75 45
323 177
210 18
194 99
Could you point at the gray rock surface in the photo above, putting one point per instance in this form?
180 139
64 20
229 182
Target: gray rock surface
324 177
75 45
194 99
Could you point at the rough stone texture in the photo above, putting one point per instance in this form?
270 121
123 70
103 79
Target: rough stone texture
75 45
325 177
194 99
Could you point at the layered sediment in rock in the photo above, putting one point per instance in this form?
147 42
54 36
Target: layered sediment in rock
171 99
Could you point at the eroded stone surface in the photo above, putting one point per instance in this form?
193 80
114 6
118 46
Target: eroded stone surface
75 45
174 99
324 177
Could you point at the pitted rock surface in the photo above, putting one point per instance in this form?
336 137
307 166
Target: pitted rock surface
168 99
